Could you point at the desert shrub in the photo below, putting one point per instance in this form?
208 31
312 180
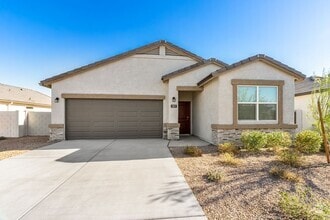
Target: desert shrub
278 139
308 141
291 157
285 174
215 176
303 204
230 159
254 140
193 151
228 148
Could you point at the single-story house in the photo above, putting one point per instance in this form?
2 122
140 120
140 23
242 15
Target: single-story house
23 112
13 98
162 90
303 100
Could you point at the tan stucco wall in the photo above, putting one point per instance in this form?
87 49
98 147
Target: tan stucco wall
136 75
205 110
9 107
302 103
188 79
257 71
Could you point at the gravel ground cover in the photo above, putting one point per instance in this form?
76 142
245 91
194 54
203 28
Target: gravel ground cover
248 191
14 146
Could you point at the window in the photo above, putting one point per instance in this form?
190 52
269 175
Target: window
257 103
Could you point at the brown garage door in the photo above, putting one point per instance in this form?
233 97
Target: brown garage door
101 119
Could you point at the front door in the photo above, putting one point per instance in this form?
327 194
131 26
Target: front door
184 117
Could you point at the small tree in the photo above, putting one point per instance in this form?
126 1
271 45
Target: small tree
321 92
321 109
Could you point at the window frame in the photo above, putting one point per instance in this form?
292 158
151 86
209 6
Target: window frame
257 103
259 82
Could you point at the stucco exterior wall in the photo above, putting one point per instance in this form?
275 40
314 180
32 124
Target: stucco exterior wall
8 107
256 71
302 103
188 79
135 75
205 110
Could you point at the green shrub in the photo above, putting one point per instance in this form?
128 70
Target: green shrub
308 141
278 139
303 204
215 176
230 159
291 157
285 174
193 151
254 140
228 148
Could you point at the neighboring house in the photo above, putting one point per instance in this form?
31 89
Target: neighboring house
23 112
14 98
303 100
161 90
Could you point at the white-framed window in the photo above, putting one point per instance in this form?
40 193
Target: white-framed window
257 103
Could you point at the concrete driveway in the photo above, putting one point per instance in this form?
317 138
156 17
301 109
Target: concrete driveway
96 179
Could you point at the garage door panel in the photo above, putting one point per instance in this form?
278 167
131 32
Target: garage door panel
100 119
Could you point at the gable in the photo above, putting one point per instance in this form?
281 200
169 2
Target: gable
260 58
159 48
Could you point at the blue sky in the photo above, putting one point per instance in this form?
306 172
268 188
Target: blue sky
39 39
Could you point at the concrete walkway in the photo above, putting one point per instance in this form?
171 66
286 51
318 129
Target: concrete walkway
188 141
101 179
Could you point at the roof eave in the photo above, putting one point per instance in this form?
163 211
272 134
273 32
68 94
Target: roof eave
192 67
47 82
260 57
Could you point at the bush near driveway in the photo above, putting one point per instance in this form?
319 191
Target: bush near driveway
215 176
229 159
228 148
193 151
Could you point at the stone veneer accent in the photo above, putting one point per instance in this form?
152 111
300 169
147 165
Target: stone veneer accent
171 131
220 136
56 132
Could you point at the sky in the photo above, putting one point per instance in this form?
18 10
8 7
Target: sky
40 39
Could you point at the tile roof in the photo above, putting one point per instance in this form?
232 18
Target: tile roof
306 86
49 81
193 67
24 96
261 57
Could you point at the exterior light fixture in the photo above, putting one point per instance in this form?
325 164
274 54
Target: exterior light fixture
173 99
57 99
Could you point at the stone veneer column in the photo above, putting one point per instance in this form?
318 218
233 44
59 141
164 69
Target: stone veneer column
171 131
56 132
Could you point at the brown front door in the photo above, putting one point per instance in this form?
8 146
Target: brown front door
184 117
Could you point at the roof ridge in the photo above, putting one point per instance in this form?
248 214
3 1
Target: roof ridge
24 88
47 82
